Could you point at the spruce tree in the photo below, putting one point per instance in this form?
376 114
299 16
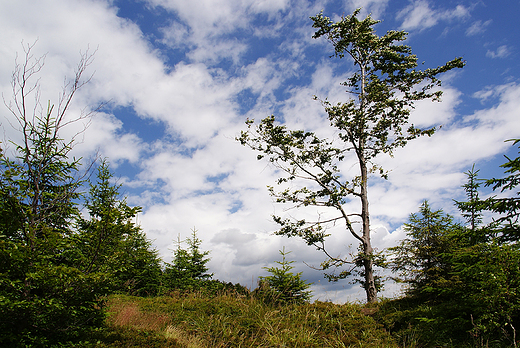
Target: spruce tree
188 268
283 285
112 244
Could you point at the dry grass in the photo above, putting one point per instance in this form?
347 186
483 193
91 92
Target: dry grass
182 338
194 321
127 314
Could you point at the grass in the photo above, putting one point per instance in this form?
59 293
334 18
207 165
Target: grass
229 320
199 320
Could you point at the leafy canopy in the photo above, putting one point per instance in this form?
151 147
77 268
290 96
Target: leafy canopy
384 87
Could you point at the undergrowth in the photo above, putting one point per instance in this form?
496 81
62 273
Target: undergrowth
418 324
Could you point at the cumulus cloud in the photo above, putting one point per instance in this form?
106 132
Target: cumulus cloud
375 8
202 26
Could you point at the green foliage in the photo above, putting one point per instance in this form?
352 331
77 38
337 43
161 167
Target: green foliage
464 281
488 263
283 286
109 242
419 260
56 266
489 286
375 119
385 85
188 269
414 323
507 207
471 209
44 295
457 290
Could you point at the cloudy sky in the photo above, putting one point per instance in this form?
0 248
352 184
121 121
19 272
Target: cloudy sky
179 78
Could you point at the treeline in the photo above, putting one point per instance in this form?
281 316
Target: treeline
68 238
63 251
462 278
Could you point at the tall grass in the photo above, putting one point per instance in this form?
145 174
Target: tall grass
228 320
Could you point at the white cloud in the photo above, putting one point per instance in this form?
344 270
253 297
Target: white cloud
375 8
207 18
262 77
122 60
419 15
204 23
501 52
192 99
432 167
428 113
478 27
214 30
105 135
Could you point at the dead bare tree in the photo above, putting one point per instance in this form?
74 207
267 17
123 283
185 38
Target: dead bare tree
41 157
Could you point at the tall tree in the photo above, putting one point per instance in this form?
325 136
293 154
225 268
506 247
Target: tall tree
375 120
43 296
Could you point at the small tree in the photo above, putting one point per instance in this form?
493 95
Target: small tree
112 244
507 207
505 225
188 268
283 285
471 209
375 120
420 259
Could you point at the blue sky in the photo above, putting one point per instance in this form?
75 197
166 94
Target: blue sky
181 77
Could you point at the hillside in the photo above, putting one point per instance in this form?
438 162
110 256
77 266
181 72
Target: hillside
195 321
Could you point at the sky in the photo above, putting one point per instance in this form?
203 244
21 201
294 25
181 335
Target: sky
178 79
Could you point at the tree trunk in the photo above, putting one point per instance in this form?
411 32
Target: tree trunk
370 286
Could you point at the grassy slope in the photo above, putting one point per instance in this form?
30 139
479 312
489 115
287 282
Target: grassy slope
197 321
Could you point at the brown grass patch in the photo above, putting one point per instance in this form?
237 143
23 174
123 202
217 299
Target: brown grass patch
129 315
